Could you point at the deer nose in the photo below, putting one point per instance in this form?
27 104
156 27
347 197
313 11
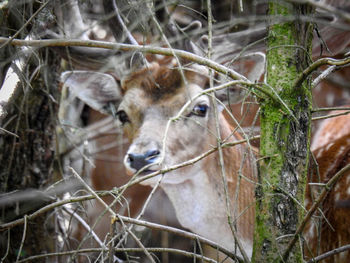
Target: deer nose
138 161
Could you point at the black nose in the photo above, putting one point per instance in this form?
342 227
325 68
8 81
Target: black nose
138 161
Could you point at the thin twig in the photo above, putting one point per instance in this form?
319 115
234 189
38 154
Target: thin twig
191 161
94 250
8 246
323 75
154 19
121 22
23 238
330 109
111 251
45 209
330 253
8 132
107 207
101 215
330 116
89 229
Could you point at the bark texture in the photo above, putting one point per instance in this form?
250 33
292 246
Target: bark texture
27 146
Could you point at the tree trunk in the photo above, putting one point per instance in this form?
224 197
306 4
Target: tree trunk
285 133
26 143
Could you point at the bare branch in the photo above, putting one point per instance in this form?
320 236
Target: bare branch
330 253
330 115
331 109
318 63
92 250
125 47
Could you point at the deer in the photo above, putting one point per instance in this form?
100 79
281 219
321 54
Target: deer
329 230
145 101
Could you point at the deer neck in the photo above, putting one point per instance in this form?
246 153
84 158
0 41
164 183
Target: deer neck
200 202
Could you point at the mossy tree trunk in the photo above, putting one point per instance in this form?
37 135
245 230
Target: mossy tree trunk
285 133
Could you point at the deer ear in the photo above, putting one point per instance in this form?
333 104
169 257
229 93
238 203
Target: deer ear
252 66
98 90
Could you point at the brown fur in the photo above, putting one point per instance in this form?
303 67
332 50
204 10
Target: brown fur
240 189
162 82
322 236
158 82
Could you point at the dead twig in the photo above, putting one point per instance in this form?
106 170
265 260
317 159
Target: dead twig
94 250
23 238
125 47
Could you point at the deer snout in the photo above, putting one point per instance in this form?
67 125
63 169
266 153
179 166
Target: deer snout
137 161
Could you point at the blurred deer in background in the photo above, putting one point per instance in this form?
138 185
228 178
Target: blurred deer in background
329 229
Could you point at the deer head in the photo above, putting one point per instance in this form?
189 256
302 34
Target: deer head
144 103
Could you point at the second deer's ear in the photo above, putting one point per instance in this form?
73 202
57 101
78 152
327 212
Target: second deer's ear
252 66
98 90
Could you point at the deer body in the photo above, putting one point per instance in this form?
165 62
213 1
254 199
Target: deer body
330 229
152 96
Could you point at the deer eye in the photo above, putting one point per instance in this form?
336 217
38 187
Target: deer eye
200 110
123 117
